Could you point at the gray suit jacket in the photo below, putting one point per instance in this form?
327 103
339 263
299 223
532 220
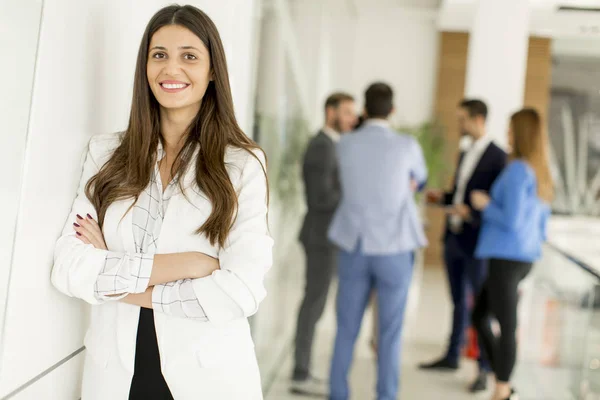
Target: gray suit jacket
322 190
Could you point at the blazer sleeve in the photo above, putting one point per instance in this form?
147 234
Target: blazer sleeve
323 192
178 299
499 165
82 271
419 168
236 289
508 210
77 265
545 215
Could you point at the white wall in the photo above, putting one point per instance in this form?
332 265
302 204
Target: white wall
342 50
83 86
20 20
394 45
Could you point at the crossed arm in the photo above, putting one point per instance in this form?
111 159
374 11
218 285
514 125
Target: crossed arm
165 268
225 289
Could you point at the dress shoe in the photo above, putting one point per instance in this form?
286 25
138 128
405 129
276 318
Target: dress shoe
311 387
480 383
441 365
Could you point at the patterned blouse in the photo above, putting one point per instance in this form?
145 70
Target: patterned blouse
125 273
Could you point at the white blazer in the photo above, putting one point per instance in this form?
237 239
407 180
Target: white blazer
199 360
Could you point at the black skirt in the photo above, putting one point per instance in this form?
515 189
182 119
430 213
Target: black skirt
148 382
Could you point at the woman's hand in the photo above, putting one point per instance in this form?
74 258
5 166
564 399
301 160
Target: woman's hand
414 186
176 266
89 232
434 196
204 265
480 200
460 210
139 299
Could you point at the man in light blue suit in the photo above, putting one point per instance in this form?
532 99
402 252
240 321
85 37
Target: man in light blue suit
377 228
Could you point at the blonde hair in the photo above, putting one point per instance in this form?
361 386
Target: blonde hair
530 143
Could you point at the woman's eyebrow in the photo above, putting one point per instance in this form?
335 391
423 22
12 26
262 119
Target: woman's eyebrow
189 48
180 48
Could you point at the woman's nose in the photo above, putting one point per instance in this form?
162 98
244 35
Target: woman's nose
172 66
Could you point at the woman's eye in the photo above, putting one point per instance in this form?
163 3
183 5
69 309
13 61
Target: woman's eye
190 57
158 55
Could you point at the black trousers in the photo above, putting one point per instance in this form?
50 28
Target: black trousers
498 299
148 382
464 272
320 264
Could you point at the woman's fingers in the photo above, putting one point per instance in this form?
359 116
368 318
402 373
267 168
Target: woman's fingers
82 237
87 228
94 228
84 234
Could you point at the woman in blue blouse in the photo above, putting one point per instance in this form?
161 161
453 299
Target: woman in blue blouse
513 229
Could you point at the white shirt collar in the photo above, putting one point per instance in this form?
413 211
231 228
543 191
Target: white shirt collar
467 143
332 133
378 122
473 152
482 143
160 151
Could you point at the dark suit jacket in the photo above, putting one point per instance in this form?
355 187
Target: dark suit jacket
322 190
490 166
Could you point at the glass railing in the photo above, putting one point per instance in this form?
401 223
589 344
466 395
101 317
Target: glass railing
559 330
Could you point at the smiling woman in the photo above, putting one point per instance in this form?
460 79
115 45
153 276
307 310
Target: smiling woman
168 237
176 69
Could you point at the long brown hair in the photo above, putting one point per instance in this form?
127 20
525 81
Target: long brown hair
129 170
530 143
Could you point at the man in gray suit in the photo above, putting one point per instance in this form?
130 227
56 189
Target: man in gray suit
323 192
377 228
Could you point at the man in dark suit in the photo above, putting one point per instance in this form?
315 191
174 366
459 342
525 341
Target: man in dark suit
323 193
480 163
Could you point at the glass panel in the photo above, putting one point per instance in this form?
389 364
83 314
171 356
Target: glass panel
574 128
559 332
283 133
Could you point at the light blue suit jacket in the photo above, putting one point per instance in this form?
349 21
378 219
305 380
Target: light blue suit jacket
377 205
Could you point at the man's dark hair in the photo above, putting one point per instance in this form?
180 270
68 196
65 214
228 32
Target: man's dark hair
336 99
379 100
475 108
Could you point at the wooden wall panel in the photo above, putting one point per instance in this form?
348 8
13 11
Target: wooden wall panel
539 75
451 77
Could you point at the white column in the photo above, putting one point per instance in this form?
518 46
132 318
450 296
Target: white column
497 60
237 21
312 23
270 89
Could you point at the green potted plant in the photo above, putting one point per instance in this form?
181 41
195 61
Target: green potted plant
430 136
